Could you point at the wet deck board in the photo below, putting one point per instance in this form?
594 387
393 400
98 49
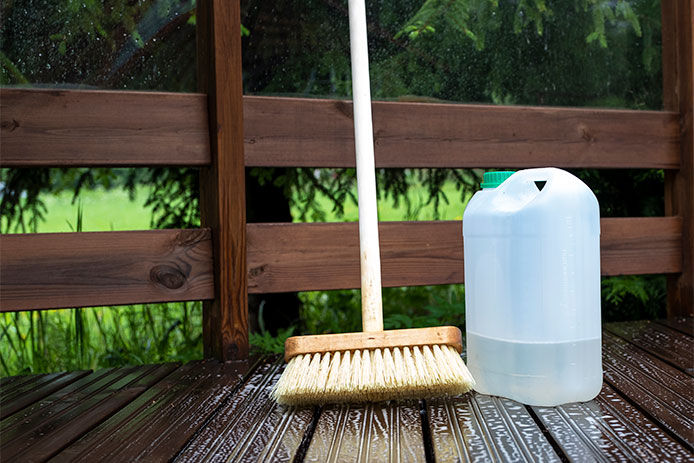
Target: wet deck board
477 427
372 432
661 341
35 389
210 411
609 429
683 324
661 390
60 420
250 424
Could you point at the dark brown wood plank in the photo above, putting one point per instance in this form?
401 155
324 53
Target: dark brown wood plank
633 246
683 324
24 384
251 426
8 425
661 390
320 256
88 128
67 417
371 432
319 133
678 96
478 427
14 382
7 382
223 185
156 425
109 268
667 344
33 391
97 128
55 270
609 429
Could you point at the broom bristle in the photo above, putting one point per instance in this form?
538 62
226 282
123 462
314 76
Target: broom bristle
373 375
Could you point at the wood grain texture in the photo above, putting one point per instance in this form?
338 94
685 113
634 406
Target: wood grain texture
33 391
54 270
683 324
66 415
476 427
222 185
609 429
660 389
660 341
678 96
102 128
213 411
20 423
440 335
250 426
321 256
112 268
155 425
319 133
379 432
633 246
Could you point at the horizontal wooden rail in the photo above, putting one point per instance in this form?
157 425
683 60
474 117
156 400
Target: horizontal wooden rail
319 133
54 270
103 128
112 268
302 257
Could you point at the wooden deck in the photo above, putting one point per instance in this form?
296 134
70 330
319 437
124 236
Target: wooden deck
211 411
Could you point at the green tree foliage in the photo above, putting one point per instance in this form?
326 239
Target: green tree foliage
99 44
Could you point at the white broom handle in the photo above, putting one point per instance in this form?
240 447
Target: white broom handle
370 258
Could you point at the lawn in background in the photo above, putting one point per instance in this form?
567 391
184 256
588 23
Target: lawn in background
111 210
102 210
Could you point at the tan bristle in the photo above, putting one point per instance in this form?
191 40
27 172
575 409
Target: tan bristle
373 376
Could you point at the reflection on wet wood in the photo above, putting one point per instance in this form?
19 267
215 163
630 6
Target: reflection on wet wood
683 324
67 415
159 422
609 429
250 426
476 427
36 388
374 432
660 389
672 346
291 425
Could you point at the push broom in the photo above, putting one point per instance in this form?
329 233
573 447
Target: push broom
374 365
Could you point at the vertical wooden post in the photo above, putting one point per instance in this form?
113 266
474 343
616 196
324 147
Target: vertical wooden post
222 185
678 95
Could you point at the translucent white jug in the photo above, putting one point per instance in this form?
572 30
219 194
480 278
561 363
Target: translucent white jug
532 287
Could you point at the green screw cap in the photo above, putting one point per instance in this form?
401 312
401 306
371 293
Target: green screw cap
494 179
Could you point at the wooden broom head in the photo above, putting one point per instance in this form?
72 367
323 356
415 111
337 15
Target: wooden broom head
323 343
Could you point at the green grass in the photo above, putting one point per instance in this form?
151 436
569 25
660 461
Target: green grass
99 337
107 210
420 210
103 210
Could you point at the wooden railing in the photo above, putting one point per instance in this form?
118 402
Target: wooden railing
109 128
228 258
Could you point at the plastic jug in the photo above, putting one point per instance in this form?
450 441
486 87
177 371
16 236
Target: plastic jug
532 287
